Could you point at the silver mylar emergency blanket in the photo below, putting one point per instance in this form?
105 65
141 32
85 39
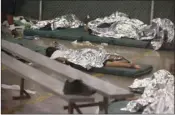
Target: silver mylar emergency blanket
65 21
122 26
41 24
85 57
158 94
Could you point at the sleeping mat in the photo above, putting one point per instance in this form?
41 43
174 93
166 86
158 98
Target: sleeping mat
80 34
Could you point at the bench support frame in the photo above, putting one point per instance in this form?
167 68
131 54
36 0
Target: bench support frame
103 105
71 105
23 93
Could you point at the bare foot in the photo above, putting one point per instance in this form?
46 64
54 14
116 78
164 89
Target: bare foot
137 67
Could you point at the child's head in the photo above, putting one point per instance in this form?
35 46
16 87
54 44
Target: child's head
50 51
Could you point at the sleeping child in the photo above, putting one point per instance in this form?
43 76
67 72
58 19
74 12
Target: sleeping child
89 58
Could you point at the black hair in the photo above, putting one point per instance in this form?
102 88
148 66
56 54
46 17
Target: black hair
50 51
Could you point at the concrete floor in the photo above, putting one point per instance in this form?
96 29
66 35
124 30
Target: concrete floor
45 102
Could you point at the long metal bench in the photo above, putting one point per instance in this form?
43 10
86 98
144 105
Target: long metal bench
51 84
106 89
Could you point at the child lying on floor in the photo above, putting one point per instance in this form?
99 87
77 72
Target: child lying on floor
85 57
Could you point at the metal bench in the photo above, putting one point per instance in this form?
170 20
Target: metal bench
106 89
51 84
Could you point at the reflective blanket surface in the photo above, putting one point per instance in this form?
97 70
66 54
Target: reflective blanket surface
157 94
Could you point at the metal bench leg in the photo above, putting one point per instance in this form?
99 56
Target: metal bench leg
105 104
77 109
86 105
70 108
23 93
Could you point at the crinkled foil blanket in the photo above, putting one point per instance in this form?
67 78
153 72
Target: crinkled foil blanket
158 94
119 25
85 57
65 21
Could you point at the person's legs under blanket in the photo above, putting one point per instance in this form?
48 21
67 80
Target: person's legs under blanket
121 64
119 61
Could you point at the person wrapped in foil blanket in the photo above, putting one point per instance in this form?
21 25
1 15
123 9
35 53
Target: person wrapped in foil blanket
158 94
87 58
65 21
119 25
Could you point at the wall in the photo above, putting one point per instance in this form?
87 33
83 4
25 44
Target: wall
136 9
97 8
28 8
165 9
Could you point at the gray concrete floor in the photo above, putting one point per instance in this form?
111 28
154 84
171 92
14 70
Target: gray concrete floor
45 102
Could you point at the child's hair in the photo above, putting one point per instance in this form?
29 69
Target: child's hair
50 51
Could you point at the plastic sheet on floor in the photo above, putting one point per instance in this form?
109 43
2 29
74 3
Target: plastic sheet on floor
16 87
